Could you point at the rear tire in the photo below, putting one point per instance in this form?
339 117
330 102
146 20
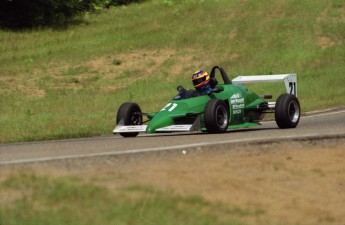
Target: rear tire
130 114
287 111
216 116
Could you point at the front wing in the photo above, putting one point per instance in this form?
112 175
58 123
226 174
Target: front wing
121 128
142 128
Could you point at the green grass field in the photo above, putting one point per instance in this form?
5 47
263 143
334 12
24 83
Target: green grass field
69 83
69 200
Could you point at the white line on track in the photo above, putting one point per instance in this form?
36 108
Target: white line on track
312 116
176 147
324 114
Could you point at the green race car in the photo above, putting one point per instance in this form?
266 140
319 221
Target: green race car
229 105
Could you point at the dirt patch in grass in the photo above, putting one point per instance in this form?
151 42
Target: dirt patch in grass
325 42
144 60
330 15
144 63
109 73
285 183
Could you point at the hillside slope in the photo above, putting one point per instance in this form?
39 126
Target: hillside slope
69 83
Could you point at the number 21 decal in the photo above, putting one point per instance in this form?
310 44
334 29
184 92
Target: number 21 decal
292 86
170 107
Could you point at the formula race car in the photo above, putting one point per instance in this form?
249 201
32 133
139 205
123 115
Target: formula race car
229 105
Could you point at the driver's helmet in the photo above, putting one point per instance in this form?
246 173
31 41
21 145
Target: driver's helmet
200 79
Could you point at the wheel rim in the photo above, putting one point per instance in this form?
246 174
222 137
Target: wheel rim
135 118
222 117
294 111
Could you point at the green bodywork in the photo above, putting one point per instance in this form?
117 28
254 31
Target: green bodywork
245 107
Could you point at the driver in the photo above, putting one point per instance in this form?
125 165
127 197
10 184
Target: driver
201 83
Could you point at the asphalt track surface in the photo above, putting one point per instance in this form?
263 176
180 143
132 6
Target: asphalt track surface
329 124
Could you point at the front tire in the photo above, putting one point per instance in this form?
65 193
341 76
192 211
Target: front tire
216 116
287 111
130 114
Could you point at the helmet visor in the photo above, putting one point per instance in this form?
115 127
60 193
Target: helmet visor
198 81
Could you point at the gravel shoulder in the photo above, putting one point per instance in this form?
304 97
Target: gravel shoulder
300 182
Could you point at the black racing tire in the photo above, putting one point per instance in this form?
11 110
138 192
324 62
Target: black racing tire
216 116
130 113
287 111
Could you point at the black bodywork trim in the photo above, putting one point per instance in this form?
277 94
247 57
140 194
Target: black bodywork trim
225 77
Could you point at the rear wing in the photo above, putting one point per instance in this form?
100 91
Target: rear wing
290 80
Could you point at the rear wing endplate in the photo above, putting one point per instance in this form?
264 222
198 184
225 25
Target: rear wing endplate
290 80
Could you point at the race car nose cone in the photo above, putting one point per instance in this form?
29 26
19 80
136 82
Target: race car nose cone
150 130
162 119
